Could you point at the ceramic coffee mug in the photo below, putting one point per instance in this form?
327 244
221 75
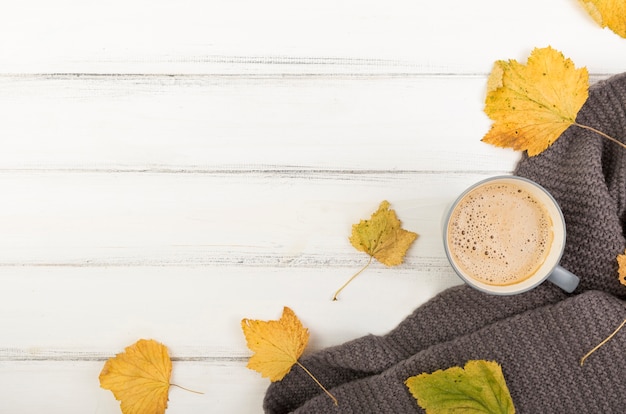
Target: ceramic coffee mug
505 235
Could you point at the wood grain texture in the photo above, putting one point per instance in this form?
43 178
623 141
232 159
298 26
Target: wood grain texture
167 170
279 36
72 387
213 124
169 219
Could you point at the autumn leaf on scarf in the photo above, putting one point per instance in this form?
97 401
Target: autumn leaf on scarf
479 387
608 13
277 346
139 377
621 269
533 104
382 238
621 263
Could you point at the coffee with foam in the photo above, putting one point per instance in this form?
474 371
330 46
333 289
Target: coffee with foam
499 234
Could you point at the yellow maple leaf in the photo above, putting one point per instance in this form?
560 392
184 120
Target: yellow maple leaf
533 104
277 346
621 262
382 238
608 13
139 377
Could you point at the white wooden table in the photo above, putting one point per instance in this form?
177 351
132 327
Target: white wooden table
169 168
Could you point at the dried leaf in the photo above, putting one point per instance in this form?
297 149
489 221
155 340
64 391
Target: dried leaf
621 262
139 377
533 104
479 387
382 236
277 346
608 13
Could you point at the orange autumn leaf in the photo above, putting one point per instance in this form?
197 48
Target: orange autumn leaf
621 262
608 13
532 105
139 377
277 346
382 238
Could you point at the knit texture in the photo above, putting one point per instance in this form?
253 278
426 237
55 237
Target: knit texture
539 336
539 352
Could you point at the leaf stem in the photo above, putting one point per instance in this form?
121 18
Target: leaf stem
610 138
607 339
317 382
186 389
352 278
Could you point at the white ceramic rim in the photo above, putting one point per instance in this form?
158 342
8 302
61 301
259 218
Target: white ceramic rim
556 249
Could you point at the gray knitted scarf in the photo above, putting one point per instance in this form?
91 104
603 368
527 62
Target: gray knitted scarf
539 336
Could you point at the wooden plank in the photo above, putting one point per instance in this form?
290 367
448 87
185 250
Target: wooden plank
279 36
99 219
83 314
204 123
73 388
96 260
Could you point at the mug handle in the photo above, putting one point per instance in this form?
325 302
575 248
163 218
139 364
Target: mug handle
564 279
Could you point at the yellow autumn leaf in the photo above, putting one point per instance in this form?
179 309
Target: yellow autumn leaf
382 238
532 105
139 377
277 345
608 13
621 262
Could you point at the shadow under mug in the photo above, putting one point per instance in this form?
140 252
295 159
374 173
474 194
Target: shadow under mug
547 269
